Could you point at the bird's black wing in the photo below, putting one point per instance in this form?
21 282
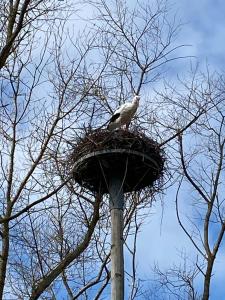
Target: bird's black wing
114 117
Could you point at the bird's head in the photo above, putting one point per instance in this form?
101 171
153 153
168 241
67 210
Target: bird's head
136 98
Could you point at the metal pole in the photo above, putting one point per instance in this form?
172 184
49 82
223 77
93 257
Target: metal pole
117 262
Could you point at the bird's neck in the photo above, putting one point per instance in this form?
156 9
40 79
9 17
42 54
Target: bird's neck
135 102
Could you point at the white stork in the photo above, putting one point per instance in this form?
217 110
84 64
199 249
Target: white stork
124 114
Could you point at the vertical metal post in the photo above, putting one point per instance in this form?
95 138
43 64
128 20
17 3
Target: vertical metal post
117 261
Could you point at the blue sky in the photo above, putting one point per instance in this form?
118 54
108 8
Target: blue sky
204 30
161 239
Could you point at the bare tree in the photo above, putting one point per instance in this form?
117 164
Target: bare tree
207 185
198 160
55 84
19 19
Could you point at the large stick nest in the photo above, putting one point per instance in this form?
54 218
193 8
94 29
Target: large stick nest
99 155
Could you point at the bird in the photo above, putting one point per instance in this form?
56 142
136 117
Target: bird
124 114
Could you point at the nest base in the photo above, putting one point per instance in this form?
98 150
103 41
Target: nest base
134 158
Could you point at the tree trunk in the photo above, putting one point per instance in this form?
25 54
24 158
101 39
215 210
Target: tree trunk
207 280
4 257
